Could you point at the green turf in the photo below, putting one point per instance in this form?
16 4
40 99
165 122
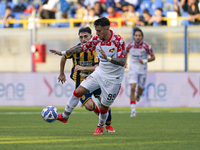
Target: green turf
152 129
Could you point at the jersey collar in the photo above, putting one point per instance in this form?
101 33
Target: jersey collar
110 36
140 44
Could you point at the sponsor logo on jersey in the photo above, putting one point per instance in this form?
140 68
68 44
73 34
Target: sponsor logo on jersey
111 50
142 51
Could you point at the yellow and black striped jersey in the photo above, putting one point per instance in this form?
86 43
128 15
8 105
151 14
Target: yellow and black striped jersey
83 59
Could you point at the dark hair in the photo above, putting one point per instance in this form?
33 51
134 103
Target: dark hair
85 29
103 21
138 29
146 11
8 7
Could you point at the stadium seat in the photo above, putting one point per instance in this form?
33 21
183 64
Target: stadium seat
155 24
186 22
168 6
60 24
17 17
11 4
145 5
2 9
104 14
157 4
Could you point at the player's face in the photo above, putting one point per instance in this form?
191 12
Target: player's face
138 36
84 37
101 31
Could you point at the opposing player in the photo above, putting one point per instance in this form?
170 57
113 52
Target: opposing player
83 65
139 51
110 48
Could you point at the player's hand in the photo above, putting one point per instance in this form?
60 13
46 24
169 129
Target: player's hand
77 68
61 78
126 65
140 60
102 53
55 52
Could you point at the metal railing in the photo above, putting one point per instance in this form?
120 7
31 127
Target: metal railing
72 21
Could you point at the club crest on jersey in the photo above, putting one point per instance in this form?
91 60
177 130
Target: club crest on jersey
111 50
142 51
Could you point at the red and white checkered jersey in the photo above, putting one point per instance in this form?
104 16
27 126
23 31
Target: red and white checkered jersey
137 52
115 48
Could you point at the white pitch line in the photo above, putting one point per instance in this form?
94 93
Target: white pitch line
113 112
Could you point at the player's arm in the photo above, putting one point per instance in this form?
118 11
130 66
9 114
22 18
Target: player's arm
62 77
152 57
73 50
89 69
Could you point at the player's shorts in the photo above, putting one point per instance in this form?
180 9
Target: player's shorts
87 96
109 90
139 79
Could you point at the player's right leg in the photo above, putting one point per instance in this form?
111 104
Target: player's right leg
72 103
133 100
133 80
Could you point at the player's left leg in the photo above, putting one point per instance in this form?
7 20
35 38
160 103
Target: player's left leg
108 126
141 85
89 104
109 92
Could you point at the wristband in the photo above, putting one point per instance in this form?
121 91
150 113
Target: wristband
144 61
63 53
109 59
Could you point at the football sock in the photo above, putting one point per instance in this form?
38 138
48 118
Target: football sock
71 104
108 121
95 108
133 105
103 115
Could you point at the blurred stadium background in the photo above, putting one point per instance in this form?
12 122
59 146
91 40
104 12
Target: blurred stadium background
176 47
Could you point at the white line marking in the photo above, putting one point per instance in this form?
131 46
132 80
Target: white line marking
113 112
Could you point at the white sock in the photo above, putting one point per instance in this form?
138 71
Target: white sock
132 106
102 119
71 104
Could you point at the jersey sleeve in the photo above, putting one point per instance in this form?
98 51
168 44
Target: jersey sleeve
121 49
90 45
150 50
128 47
96 59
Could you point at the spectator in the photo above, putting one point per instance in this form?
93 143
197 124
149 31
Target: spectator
157 19
198 3
145 20
81 11
7 17
33 16
89 16
193 12
61 24
90 3
135 3
120 4
113 14
98 9
131 13
48 9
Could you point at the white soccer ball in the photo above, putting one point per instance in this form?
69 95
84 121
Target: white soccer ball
49 113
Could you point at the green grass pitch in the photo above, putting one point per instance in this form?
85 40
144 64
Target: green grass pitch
22 128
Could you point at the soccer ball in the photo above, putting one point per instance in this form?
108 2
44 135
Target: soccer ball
49 113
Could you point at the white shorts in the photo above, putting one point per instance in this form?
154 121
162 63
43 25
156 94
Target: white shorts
109 90
139 79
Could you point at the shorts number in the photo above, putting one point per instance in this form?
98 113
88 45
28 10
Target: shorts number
111 96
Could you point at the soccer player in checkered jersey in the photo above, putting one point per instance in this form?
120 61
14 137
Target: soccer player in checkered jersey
139 51
110 48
